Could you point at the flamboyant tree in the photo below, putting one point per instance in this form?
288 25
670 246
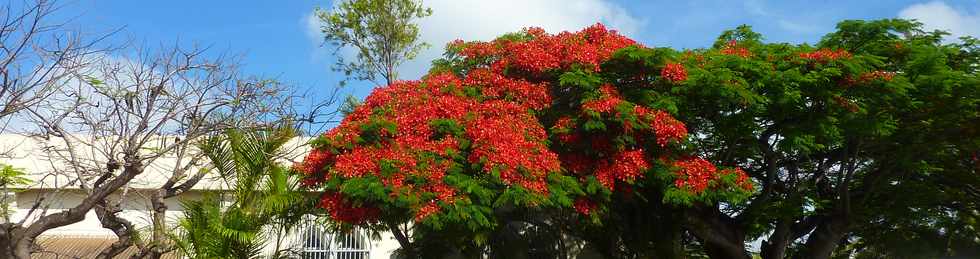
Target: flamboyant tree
660 151
529 120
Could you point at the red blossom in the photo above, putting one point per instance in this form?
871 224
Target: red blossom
585 206
315 161
742 178
426 211
674 72
733 49
666 128
479 50
697 175
610 99
625 166
825 55
694 174
604 105
563 124
545 52
495 85
520 148
341 209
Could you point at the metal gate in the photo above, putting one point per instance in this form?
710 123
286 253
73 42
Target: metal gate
320 243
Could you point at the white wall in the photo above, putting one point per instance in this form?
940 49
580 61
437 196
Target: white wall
136 208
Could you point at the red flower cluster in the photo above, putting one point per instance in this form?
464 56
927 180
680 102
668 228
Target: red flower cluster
697 175
666 128
607 103
544 52
674 72
314 162
584 206
865 78
508 139
733 49
825 55
343 210
427 210
625 166
563 124
496 85
563 128
741 178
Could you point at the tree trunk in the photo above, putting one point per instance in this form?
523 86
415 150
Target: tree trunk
408 249
718 232
158 244
8 241
733 250
823 241
775 247
121 227
670 245
22 249
13 243
669 239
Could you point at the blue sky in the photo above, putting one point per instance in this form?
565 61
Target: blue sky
279 39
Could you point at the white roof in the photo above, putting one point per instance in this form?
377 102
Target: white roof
45 163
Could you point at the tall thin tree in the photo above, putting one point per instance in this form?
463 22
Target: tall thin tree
383 34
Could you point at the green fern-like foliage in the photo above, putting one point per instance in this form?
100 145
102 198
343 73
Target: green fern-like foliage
9 177
262 200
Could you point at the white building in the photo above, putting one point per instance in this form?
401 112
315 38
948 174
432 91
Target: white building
54 190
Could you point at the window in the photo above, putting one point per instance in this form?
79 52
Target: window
319 243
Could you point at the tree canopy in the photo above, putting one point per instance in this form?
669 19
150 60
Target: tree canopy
814 150
382 33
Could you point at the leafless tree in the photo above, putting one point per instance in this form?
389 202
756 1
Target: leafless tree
107 118
37 58
127 113
120 116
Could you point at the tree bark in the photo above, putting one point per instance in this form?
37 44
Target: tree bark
155 248
159 218
20 241
775 247
718 232
123 229
408 249
670 244
823 241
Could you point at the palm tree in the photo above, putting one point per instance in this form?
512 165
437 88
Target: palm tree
264 201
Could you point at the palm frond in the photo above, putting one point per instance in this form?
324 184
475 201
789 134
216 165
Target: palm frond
263 191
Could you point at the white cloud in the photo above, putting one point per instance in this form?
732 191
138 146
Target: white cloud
937 15
312 24
484 20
